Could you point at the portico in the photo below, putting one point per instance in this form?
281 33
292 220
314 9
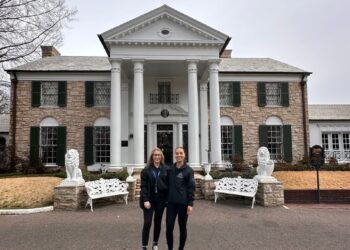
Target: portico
165 60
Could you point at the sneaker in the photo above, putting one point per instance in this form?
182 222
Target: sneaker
155 247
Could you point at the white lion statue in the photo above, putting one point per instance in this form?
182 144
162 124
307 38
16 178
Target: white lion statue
265 165
74 175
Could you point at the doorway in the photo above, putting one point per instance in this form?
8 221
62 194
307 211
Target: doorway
165 138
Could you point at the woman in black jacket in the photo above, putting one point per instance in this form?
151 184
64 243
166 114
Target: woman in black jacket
154 189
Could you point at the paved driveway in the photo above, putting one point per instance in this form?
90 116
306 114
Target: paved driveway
230 224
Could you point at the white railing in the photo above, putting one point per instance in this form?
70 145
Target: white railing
340 155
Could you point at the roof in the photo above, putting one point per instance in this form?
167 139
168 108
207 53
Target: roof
4 122
67 63
95 63
257 65
329 112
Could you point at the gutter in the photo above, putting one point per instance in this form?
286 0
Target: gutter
302 87
13 114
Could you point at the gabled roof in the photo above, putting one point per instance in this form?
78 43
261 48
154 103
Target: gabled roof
257 65
119 34
329 112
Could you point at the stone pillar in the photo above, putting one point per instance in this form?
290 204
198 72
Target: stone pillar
208 187
69 197
138 114
115 116
215 128
132 190
270 194
193 123
204 122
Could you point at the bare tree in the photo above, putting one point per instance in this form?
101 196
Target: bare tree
24 26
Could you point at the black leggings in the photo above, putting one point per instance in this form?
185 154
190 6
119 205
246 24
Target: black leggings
172 211
157 208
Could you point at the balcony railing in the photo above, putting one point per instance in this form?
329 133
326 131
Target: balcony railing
164 99
340 155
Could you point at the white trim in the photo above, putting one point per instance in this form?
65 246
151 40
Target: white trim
49 122
102 122
64 76
226 121
256 77
273 121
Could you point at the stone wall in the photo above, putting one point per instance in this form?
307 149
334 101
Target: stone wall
270 194
250 116
75 116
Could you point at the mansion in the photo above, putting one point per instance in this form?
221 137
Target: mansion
167 81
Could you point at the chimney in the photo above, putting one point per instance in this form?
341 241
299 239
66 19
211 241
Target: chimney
226 53
47 51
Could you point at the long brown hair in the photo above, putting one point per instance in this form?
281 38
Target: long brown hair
150 159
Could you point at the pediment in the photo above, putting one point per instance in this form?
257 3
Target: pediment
164 26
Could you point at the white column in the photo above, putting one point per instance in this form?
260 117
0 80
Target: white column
138 114
193 124
204 121
179 135
115 116
215 128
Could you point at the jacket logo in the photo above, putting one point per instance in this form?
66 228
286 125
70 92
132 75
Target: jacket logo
180 175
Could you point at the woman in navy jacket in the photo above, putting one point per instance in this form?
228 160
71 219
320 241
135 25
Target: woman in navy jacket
154 189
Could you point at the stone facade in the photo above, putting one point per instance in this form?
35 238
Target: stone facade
270 194
250 116
75 116
69 198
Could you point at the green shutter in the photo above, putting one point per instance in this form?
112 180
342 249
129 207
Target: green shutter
261 94
236 94
287 143
262 136
238 140
36 93
89 146
61 145
89 94
62 94
34 145
285 94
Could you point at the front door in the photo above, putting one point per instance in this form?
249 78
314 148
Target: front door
165 141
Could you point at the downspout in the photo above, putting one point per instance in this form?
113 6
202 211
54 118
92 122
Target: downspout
302 87
14 82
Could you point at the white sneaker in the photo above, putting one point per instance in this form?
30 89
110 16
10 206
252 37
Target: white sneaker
155 248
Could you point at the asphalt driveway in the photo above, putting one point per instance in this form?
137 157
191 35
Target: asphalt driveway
230 224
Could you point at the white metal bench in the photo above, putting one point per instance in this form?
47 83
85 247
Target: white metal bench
105 188
236 186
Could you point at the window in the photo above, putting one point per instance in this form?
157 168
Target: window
275 142
325 141
48 145
230 94
226 143
102 144
164 92
102 94
49 93
273 94
346 141
336 145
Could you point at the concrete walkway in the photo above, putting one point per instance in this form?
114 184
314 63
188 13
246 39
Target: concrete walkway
230 224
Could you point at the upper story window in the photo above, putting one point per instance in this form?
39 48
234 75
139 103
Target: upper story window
164 94
230 94
49 93
97 94
102 93
273 94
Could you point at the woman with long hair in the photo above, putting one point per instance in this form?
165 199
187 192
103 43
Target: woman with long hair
153 196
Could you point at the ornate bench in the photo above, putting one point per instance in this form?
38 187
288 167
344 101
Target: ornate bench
236 186
105 188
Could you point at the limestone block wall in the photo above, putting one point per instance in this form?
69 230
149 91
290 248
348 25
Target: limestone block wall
75 116
250 116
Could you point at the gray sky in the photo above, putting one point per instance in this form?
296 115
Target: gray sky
313 35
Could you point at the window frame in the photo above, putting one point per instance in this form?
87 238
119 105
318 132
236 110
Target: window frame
268 86
42 93
99 95
95 145
275 156
41 146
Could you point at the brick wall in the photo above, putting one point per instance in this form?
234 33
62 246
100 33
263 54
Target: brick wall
250 116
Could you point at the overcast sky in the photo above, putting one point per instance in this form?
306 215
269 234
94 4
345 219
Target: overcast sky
313 35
